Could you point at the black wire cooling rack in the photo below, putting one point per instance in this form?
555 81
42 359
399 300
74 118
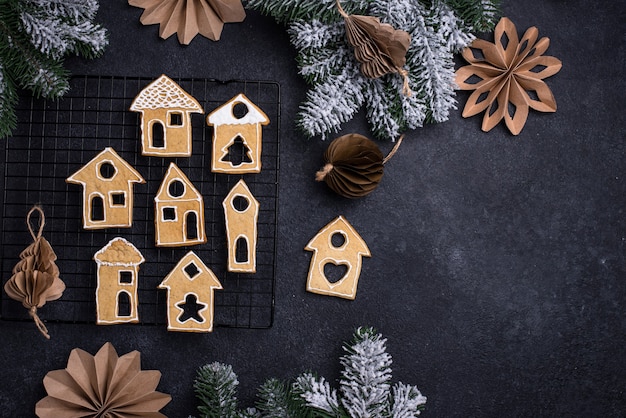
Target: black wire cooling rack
55 138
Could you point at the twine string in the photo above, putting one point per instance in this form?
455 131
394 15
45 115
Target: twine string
394 149
40 325
42 221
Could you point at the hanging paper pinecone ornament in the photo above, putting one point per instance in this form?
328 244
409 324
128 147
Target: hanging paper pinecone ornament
379 47
35 279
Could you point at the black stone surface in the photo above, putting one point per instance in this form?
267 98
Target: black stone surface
498 272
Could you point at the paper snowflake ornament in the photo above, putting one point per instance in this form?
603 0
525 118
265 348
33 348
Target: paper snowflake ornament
507 77
103 385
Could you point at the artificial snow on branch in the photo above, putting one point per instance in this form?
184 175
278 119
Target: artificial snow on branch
35 35
338 91
365 389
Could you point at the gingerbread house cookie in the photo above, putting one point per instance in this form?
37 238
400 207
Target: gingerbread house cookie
237 136
116 293
107 182
179 211
190 295
241 211
339 244
165 118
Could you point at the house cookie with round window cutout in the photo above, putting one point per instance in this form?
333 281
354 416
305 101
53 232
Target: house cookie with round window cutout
237 136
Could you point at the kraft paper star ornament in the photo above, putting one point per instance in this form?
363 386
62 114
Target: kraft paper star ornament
507 77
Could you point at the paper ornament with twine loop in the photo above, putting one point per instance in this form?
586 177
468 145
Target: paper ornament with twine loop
35 279
379 47
354 165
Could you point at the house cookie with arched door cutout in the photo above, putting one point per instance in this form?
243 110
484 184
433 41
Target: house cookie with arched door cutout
190 295
178 211
117 276
107 182
241 211
337 244
237 136
165 110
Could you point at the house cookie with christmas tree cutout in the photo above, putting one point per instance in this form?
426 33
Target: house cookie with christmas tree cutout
107 182
190 295
165 110
237 136
117 276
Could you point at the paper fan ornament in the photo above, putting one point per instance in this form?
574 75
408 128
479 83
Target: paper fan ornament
103 385
187 18
379 47
353 166
507 77
35 279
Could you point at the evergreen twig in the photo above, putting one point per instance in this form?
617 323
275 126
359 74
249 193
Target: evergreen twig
438 30
35 36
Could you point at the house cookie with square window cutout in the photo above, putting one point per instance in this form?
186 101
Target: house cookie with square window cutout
165 110
178 211
117 276
107 182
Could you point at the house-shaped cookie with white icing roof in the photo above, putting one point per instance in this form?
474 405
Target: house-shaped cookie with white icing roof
116 294
237 136
165 118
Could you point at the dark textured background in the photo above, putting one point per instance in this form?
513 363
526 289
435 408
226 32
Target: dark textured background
499 268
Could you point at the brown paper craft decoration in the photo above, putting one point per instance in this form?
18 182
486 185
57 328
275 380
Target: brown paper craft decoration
117 276
353 166
190 302
379 47
237 137
35 279
339 244
187 18
241 211
507 77
165 110
107 182
103 385
178 211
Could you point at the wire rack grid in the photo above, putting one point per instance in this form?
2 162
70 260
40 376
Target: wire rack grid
55 138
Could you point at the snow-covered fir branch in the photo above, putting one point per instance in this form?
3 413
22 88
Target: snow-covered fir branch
365 389
332 102
438 30
407 401
56 35
366 375
35 36
317 393
315 35
73 10
285 11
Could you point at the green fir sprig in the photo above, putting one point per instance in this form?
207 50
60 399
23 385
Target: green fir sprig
365 389
338 90
35 36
